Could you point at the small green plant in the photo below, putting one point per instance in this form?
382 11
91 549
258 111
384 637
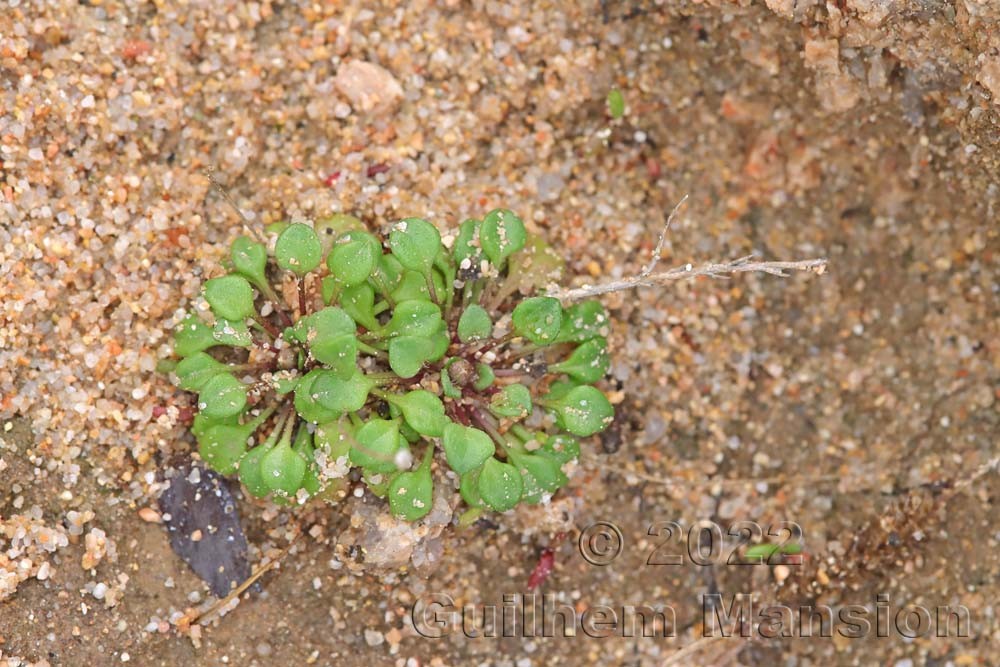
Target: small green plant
616 104
338 350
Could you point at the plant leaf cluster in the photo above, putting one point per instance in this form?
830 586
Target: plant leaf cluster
333 349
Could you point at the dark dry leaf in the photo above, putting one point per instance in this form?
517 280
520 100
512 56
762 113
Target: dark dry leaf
200 506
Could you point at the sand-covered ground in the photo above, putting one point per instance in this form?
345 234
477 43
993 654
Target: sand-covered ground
863 131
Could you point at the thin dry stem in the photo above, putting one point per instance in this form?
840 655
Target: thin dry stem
685 655
687 272
648 279
663 237
249 228
208 611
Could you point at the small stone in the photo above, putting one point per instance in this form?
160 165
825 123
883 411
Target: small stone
374 638
149 515
367 86
100 590
989 77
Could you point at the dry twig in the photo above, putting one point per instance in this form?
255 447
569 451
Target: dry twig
687 272
647 278
207 612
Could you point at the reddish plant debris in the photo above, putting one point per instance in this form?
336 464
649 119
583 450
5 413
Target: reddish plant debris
331 179
185 413
546 564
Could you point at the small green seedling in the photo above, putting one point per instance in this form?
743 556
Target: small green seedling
398 357
616 104
763 553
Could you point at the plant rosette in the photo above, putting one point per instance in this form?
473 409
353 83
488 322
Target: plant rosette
335 350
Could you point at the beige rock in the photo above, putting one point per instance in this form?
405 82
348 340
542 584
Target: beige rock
872 12
783 8
837 92
989 77
822 55
368 87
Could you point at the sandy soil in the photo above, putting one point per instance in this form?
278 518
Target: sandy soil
864 131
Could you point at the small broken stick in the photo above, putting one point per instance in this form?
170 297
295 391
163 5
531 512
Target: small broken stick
202 615
713 270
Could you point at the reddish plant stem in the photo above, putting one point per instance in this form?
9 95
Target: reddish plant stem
303 302
459 413
267 326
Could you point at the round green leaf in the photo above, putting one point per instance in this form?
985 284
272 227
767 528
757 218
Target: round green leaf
193 336
500 485
422 410
440 341
277 227
249 259
306 403
415 243
414 318
466 251
474 324
298 249
340 354
330 335
560 447
560 388
359 303
469 488
339 395
222 396
501 235
250 474
231 297
535 267
335 438
538 319
588 362
407 354
329 322
375 446
329 230
410 494
583 321
388 272
232 332
352 261
194 371
282 469
540 474
512 401
222 446
413 285
584 411
202 422
465 448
